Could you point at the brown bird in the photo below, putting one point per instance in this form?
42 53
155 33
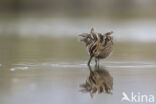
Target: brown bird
99 81
99 46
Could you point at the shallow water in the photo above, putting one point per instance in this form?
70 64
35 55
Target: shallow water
134 29
50 71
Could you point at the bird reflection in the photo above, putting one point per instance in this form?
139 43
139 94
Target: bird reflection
99 81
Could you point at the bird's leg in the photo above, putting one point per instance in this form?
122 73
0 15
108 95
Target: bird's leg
90 69
96 61
90 60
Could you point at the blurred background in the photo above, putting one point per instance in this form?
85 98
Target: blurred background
43 61
129 19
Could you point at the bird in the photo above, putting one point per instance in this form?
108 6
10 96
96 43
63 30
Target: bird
98 45
99 81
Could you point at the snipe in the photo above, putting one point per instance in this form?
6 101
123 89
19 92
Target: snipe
99 81
98 45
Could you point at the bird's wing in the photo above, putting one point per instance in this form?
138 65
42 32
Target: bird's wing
105 40
94 35
93 48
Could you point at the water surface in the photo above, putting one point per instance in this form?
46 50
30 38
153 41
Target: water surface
50 70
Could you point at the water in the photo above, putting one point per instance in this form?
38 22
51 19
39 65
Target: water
135 29
45 70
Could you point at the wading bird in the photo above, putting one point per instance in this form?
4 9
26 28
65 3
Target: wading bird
98 45
99 81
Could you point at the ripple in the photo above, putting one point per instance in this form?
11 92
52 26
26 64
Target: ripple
63 65
111 64
25 64
133 66
19 68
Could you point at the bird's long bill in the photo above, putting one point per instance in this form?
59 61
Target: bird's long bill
83 34
110 33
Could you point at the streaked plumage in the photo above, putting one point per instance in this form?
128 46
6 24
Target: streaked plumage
98 45
99 81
